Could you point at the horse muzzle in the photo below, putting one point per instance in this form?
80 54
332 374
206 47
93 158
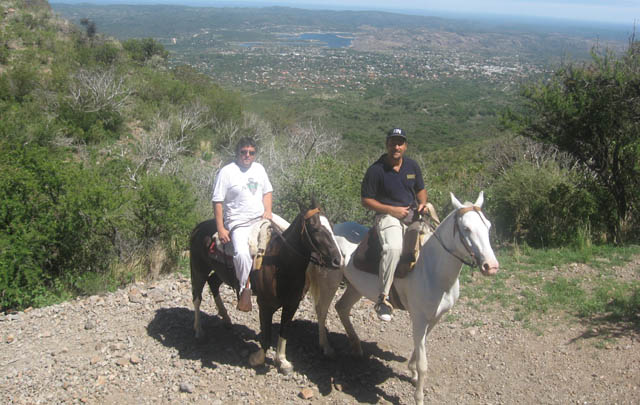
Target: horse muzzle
327 261
489 268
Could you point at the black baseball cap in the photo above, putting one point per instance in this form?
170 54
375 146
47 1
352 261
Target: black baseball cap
397 132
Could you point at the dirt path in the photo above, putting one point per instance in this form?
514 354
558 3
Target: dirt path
136 346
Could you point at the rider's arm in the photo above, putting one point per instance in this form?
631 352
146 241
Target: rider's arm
266 201
380 208
223 233
422 200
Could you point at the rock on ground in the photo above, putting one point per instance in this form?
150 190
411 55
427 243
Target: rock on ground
136 346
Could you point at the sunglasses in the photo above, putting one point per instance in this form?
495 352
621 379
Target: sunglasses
248 152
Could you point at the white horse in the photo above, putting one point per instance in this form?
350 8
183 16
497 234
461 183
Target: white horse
427 292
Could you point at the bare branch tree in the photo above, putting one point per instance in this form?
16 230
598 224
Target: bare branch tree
98 90
507 152
164 147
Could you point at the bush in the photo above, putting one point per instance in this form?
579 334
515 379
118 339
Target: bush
18 83
55 224
164 211
541 206
142 50
335 184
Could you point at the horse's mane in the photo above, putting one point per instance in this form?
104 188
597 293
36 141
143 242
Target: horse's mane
295 225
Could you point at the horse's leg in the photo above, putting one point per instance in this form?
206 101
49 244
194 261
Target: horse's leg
419 356
412 366
214 285
198 279
343 306
257 358
324 284
288 310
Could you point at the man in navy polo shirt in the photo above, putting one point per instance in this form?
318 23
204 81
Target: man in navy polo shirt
393 187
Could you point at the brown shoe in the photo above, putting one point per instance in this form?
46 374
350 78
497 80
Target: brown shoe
244 302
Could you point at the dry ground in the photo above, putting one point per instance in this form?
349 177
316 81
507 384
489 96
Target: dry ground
136 346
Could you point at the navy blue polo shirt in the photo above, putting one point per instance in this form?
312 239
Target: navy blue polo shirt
389 187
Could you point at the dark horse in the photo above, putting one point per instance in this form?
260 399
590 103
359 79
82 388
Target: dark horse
278 283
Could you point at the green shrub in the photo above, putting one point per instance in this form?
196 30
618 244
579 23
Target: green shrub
19 82
55 223
142 50
334 183
541 206
106 53
164 210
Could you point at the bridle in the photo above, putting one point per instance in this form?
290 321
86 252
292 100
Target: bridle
459 213
315 256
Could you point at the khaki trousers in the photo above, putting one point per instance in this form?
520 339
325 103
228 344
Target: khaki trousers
390 232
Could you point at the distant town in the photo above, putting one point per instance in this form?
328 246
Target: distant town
334 61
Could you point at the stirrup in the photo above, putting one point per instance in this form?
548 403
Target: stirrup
383 300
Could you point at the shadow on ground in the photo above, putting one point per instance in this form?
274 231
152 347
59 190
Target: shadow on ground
231 345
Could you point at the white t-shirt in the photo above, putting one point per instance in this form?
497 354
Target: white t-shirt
241 191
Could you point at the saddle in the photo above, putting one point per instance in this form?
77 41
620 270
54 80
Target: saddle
259 239
369 252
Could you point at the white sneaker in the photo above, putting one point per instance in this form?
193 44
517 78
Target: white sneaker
384 311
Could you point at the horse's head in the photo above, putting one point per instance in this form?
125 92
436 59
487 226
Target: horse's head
473 229
317 233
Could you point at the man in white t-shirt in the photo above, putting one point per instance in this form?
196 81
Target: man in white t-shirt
241 197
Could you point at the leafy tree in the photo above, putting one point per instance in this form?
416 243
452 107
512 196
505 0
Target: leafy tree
142 50
592 111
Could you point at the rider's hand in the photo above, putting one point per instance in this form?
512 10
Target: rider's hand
223 234
267 215
399 212
422 208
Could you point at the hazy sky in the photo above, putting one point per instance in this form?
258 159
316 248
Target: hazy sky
619 11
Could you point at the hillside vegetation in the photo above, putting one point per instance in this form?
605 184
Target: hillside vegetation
108 153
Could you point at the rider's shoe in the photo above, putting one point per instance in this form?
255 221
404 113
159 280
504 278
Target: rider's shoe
384 309
244 302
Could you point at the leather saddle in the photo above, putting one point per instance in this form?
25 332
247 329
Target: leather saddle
259 238
369 252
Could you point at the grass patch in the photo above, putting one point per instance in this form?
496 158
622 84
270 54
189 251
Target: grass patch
534 282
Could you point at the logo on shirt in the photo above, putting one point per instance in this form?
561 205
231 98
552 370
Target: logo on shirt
252 185
411 176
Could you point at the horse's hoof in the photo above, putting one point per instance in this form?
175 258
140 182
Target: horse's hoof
257 358
329 352
285 367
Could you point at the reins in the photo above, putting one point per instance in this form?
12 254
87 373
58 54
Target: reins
459 213
304 232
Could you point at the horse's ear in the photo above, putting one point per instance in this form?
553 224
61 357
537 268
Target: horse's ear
454 201
480 200
314 202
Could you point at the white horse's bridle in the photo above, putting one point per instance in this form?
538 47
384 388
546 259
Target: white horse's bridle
459 213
